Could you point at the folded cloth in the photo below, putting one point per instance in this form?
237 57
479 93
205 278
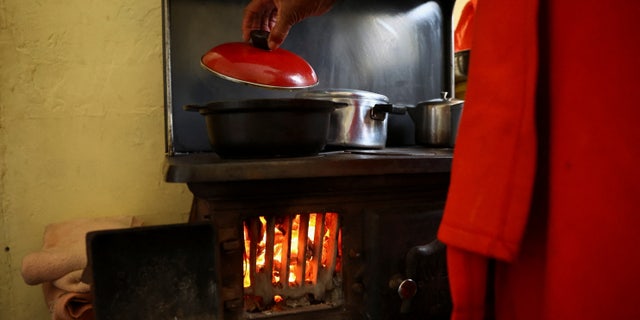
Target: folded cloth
60 264
65 305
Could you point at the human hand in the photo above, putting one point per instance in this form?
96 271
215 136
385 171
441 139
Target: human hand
278 16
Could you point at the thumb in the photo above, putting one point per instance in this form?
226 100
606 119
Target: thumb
281 29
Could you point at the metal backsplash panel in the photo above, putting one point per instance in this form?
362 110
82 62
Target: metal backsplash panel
395 48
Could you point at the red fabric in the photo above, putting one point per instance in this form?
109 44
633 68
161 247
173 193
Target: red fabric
569 251
494 160
593 259
464 28
471 272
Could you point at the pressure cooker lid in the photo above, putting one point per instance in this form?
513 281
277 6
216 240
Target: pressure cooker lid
254 63
352 94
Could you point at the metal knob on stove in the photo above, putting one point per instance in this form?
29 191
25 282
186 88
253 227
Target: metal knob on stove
407 290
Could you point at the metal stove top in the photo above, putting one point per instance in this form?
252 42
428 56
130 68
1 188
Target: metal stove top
208 167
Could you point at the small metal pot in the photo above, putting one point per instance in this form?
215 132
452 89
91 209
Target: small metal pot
362 123
265 128
461 65
436 121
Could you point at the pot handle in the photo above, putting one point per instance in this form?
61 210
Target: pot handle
190 107
193 107
379 111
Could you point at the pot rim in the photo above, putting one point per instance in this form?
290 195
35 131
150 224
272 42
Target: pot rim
267 105
443 100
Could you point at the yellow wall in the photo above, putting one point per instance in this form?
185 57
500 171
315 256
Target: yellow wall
81 126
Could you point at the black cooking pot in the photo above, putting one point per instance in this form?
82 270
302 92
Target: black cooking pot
261 128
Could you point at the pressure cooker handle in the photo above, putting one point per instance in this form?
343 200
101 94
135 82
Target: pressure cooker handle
379 111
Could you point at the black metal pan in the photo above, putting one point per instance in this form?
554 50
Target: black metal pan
261 128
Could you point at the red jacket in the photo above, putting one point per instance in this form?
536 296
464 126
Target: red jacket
546 170
464 28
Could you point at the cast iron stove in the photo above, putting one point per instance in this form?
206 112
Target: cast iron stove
331 236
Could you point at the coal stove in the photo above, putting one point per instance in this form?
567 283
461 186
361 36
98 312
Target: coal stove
345 234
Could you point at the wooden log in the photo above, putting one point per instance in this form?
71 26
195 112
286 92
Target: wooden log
284 262
303 230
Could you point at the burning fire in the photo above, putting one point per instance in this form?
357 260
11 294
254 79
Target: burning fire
291 247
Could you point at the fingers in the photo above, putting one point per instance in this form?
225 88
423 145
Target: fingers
279 16
257 16
291 12
279 32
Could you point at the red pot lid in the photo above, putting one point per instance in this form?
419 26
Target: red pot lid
253 63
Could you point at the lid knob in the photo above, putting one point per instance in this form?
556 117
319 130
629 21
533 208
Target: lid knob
260 39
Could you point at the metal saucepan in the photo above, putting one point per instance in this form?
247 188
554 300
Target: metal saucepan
461 65
262 128
363 123
436 121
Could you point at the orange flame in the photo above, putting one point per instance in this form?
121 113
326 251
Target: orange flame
285 244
